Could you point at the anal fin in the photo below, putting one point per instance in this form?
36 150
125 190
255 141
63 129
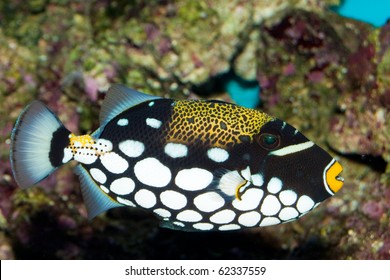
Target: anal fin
95 199
170 225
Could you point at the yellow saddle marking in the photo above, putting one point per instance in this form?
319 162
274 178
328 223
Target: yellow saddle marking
216 124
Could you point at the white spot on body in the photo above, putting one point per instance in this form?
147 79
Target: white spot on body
287 197
249 219
145 198
288 213
114 163
152 172
249 200
179 224
131 148
151 104
270 206
85 156
104 189
292 149
68 155
103 145
217 154
304 204
203 226
223 217
125 201
122 122
246 173
154 123
209 201
163 213
173 200
193 179
122 186
269 221
189 216
257 180
176 150
98 175
229 227
274 185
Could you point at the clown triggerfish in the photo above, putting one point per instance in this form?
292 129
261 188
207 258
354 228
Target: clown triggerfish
197 165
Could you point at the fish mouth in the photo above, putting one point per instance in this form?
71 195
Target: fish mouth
332 178
339 178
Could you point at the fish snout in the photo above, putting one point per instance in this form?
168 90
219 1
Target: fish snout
332 179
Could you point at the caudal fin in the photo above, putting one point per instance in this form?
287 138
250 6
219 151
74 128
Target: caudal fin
37 144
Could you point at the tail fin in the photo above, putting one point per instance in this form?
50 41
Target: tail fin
37 144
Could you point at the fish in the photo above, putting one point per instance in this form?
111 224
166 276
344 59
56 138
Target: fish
198 165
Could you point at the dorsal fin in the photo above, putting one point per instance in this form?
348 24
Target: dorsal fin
95 200
118 99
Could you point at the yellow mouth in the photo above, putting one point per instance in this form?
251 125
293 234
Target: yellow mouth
333 178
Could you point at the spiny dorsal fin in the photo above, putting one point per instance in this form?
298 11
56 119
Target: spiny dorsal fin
95 200
118 99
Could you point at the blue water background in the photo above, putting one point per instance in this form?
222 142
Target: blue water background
375 12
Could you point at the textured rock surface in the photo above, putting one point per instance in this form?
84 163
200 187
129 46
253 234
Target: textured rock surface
326 75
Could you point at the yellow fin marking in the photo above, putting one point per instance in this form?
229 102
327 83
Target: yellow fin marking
82 141
238 189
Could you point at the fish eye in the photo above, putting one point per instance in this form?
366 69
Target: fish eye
269 141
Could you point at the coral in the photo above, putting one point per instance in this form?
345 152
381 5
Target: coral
333 75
